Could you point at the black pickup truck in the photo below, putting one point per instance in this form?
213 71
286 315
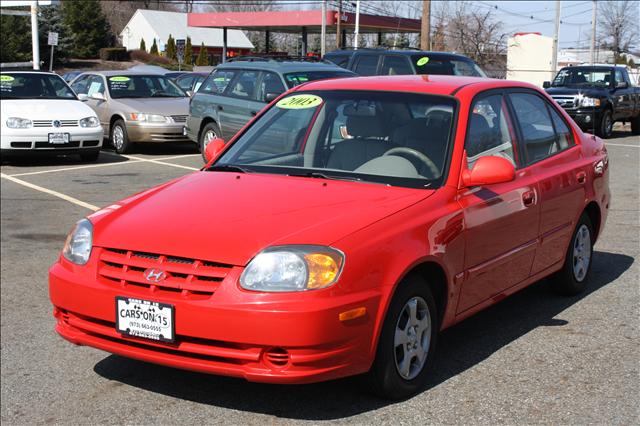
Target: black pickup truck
597 96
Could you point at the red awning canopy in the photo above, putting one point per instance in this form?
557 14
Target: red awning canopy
294 21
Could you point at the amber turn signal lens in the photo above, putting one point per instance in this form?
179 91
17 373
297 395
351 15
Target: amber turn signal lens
323 269
353 314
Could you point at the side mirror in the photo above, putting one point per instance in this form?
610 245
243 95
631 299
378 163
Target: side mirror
622 85
546 84
213 149
489 170
98 96
269 97
83 97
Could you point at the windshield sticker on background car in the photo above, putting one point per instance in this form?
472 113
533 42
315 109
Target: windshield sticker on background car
422 61
6 79
299 102
119 83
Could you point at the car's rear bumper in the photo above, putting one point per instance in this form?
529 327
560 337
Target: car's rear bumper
156 133
232 332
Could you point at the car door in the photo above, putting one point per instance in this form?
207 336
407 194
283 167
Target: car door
623 92
209 100
500 220
240 103
550 154
96 84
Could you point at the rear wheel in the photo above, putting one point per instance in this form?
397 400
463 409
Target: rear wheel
605 129
571 279
635 125
407 342
209 133
119 138
90 155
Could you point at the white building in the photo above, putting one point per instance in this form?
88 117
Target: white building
158 25
529 58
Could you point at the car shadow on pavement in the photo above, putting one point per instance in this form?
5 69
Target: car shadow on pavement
42 159
459 348
166 148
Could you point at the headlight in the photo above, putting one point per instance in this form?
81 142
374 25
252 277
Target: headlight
590 102
90 122
293 268
18 123
77 247
148 118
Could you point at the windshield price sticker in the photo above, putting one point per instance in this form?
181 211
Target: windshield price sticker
299 102
422 61
6 79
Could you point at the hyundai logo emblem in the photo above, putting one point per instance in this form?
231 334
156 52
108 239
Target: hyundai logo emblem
56 123
155 275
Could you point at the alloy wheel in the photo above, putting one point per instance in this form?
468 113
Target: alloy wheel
118 137
581 253
412 338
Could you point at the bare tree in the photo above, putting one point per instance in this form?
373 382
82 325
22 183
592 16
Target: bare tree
118 12
618 25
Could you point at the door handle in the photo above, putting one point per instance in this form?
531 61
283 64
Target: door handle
254 113
581 177
529 198
220 108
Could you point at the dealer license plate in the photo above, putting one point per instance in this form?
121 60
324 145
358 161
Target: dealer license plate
57 138
144 318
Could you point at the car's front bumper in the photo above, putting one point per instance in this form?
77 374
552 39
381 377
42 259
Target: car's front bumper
25 140
277 338
150 132
586 118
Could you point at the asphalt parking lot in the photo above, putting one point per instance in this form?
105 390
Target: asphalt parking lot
533 358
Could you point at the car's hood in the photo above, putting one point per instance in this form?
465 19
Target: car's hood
229 217
45 109
162 106
575 90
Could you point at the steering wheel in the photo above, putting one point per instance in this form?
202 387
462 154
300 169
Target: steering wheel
418 155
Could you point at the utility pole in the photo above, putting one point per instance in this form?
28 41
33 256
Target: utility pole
425 29
323 35
338 34
357 31
35 44
554 65
594 8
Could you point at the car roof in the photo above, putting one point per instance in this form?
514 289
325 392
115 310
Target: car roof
431 84
122 72
282 66
405 52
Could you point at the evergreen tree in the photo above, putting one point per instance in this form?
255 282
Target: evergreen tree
50 20
202 59
154 48
143 46
88 27
15 32
188 52
171 51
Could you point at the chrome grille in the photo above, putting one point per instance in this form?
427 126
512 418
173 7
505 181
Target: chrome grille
183 275
49 123
566 101
179 118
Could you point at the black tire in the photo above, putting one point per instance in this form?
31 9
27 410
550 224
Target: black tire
90 155
384 378
204 134
605 127
567 281
121 146
635 125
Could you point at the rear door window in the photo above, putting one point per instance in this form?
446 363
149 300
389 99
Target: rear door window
395 65
367 65
339 60
217 82
538 134
244 86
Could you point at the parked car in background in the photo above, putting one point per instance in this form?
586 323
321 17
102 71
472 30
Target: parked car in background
402 62
175 74
40 113
190 82
596 96
340 231
236 90
135 107
69 76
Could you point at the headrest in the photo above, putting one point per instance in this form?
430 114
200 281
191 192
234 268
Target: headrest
364 127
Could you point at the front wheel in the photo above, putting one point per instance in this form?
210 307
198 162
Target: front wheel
605 129
407 342
209 133
571 279
119 138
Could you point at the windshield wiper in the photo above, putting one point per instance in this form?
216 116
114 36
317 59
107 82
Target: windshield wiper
228 168
318 175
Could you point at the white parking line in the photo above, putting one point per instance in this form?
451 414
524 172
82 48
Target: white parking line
159 161
64 169
621 144
51 192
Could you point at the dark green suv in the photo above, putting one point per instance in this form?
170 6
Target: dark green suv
236 90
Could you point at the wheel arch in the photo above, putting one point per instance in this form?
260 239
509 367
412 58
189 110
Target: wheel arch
113 119
595 216
206 120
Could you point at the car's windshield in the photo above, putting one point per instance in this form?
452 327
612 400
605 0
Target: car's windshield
600 77
386 137
426 64
34 86
296 78
143 86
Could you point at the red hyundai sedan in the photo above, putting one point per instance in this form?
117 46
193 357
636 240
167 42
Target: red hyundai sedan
340 231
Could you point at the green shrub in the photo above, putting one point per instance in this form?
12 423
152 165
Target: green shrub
114 54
